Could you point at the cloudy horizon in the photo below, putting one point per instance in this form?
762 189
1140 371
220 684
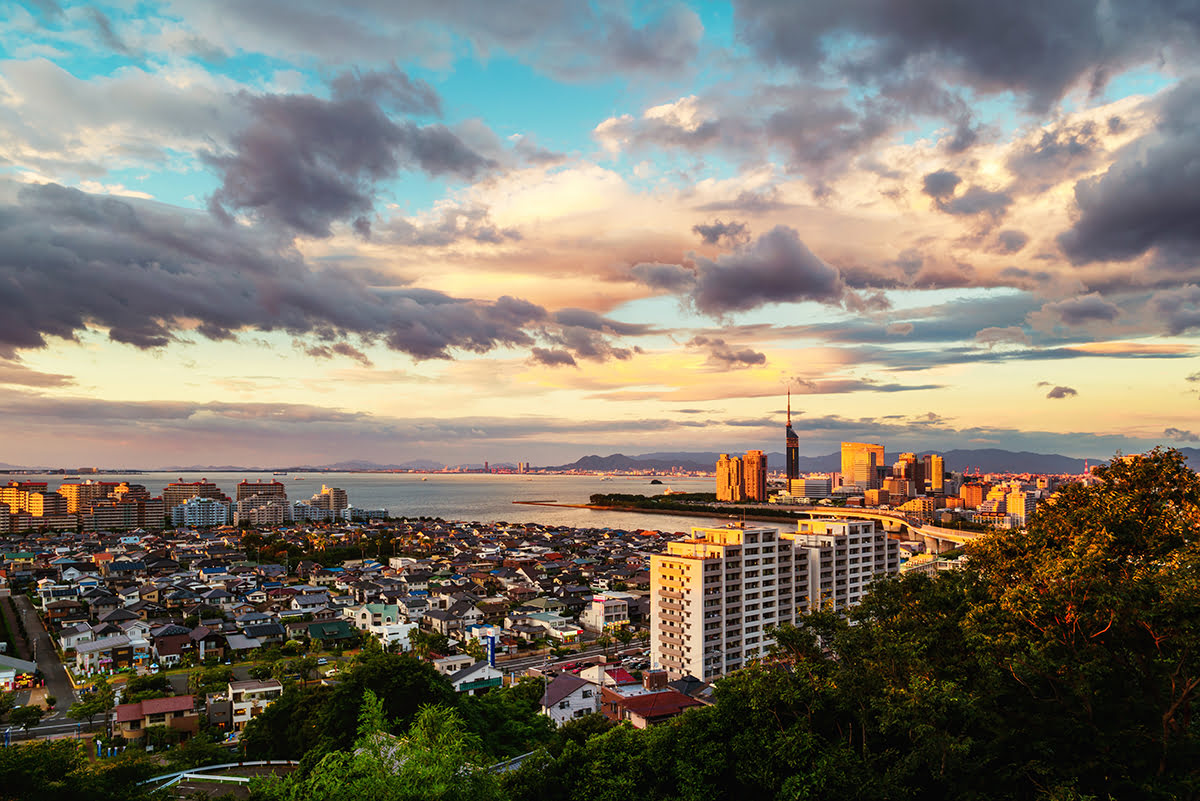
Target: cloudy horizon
282 233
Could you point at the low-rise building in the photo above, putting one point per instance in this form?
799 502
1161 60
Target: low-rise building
179 713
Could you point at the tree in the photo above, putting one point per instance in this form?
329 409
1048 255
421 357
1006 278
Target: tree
623 635
306 666
26 716
51 702
7 702
424 642
604 641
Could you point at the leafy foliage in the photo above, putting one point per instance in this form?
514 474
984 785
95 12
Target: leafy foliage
1058 664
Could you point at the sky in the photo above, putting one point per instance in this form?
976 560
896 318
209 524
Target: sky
267 232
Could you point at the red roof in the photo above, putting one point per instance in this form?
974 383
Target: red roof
658 705
154 706
620 676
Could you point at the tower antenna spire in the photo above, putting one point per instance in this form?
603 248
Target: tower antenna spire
789 406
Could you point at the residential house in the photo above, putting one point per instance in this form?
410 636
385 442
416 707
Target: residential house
178 713
568 697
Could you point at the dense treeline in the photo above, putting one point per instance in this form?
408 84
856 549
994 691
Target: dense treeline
309 722
1059 664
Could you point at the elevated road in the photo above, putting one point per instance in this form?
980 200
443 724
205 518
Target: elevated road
936 538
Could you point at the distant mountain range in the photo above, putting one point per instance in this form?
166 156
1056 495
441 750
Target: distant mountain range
986 460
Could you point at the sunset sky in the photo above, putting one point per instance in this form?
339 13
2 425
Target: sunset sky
281 232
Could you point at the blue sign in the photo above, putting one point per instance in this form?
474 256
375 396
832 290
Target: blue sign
491 649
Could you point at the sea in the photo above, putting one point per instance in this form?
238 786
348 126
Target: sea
470 497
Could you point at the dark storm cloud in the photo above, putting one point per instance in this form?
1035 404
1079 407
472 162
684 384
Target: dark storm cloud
732 232
1059 393
1083 310
69 260
1150 197
1035 49
305 162
775 268
553 358
1012 241
940 184
720 354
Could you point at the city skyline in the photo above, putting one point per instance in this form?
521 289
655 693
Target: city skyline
232 233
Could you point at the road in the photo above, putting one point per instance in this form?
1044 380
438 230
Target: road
44 653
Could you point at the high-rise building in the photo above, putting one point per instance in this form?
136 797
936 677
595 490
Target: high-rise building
731 484
711 600
973 494
835 561
331 498
860 464
935 473
793 446
81 495
177 492
714 596
910 468
272 489
754 471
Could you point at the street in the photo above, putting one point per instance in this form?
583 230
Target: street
57 682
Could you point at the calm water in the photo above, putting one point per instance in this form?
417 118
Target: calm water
466 496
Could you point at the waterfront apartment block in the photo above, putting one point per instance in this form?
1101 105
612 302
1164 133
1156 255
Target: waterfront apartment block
715 595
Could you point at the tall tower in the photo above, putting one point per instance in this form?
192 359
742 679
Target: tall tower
860 463
793 447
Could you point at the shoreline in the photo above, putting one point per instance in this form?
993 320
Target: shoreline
668 512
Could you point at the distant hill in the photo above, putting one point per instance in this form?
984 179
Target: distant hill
987 460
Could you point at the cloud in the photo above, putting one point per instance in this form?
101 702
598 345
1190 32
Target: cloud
1011 241
304 162
1194 377
13 372
977 200
1178 309
335 349
449 224
553 358
1035 50
1061 392
391 89
571 40
732 232
1081 310
723 356
1181 435
146 272
993 335
1149 198
108 36
775 268
940 184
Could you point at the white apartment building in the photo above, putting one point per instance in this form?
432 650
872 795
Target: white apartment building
200 511
715 595
835 560
604 612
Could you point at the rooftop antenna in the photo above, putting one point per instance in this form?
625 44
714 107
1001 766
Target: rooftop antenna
789 405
